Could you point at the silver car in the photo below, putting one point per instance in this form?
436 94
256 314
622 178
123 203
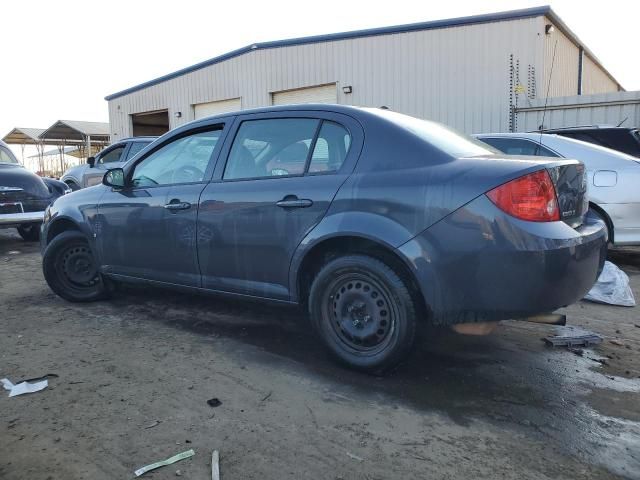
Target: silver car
114 156
613 177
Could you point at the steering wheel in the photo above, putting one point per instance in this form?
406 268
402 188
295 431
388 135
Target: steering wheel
188 173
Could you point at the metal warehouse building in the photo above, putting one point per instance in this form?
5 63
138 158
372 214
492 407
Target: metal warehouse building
472 73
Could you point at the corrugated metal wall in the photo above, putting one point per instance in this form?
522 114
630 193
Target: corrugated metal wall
456 75
465 76
564 76
600 109
594 79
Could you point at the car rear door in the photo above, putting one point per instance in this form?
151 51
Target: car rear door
275 180
148 229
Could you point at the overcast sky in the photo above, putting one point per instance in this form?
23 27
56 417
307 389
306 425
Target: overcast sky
60 58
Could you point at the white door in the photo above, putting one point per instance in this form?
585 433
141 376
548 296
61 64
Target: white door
201 110
323 94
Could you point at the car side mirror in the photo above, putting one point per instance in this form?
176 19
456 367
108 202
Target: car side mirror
114 178
91 161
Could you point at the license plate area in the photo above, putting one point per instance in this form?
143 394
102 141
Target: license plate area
12 207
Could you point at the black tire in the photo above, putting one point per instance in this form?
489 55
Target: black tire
30 232
73 186
70 269
363 312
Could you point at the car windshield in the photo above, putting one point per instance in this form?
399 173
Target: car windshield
6 156
442 137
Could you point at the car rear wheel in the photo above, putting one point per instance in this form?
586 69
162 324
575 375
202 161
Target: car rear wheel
30 232
70 269
364 313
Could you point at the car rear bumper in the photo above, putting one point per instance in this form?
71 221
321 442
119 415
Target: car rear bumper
15 219
479 264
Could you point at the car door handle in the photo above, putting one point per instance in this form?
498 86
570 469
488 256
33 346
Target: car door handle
173 206
294 203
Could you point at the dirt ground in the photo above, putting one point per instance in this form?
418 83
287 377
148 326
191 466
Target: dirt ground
135 374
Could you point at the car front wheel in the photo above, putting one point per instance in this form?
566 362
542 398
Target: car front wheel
30 232
70 269
364 313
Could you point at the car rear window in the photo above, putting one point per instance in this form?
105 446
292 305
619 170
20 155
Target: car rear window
6 156
440 136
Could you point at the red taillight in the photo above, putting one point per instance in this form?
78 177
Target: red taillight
531 198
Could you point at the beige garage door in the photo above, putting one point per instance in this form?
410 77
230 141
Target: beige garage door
201 110
323 94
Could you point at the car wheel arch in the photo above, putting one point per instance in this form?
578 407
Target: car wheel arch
59 226
607 219
326 249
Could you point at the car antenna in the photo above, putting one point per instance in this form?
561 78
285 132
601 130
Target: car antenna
620 124
546 99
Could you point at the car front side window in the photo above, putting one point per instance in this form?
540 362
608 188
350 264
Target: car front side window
184 160
112 155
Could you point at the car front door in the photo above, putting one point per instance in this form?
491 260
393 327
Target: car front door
108 158
148 229
281 173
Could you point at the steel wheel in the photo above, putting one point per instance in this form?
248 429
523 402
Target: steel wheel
361 314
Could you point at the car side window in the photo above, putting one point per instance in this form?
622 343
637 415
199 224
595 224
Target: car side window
270 148
135 148
519 146
112 155
6 156
332 146
184 160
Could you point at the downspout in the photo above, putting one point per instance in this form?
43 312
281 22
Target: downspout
580 67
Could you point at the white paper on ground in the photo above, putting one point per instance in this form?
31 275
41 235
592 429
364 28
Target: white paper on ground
23 387
164 463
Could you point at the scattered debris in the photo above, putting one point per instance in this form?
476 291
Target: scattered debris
616 342
214 402
577 351
355 457
266 397
154 424
13 252
178 473
573 337
164 463
612 287
23 387
215 465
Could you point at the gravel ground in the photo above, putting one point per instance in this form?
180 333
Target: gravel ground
134 375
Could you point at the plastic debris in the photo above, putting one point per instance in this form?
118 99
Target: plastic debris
215 465
612 287
573 337
164 463
23 387
214 402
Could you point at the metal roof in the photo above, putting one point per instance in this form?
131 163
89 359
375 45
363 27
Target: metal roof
75 131
24 136
412 27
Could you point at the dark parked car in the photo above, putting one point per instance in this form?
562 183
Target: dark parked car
24 195
626 140
374 220
114 156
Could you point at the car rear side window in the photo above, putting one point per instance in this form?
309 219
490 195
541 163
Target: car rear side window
332 146
135 148
519 146
184 160
270 148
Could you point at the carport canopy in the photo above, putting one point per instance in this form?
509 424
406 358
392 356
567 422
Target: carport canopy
24 136
65 132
